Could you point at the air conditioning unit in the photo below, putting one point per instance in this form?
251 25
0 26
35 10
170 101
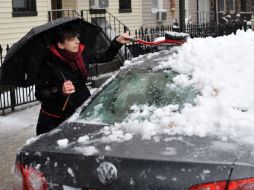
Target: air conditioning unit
161 16
98 4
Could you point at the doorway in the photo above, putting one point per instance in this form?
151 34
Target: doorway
204 11
56 6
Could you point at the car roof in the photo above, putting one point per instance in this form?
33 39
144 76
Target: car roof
147 62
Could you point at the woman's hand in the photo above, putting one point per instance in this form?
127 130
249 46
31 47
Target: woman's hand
68 87
123 38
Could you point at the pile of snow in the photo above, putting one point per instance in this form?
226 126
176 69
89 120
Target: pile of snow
222 70
63 143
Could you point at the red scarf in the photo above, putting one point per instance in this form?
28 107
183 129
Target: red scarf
73 60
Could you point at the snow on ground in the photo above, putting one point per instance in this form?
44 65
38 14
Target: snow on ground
20 119
222 70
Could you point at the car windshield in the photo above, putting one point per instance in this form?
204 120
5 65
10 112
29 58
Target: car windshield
114 103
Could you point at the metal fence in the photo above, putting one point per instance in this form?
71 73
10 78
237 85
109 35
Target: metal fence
11 96
215 29
194 30
58 13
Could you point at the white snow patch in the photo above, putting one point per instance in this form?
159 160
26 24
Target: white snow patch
65 187
31 140
70 171
161 177
84 139
88 150
63 143
108 148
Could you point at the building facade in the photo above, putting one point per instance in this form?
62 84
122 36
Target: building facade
244 9
165 12
17 17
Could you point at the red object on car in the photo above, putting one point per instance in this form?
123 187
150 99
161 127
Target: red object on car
28 178
241 184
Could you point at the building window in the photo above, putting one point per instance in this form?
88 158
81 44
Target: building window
232 5
125 6
187 8
244 5
221 5
155 4
24 8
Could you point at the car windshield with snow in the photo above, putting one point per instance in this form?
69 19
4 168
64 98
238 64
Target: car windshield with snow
132 90
166 120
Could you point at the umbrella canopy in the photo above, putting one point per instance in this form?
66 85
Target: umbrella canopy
22 62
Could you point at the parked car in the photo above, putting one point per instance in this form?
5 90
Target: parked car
98 149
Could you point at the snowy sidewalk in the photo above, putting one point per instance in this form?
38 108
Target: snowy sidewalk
15 129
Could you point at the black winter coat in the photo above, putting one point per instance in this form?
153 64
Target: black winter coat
54 72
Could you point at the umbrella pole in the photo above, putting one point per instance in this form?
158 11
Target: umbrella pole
66 102
67 99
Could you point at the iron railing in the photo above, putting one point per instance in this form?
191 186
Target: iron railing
215 29
58 13
11 96
110 25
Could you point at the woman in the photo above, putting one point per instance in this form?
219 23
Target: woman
61 85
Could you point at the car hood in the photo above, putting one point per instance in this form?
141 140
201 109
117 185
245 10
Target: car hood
68 139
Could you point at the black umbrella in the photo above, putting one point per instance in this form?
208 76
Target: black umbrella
22 62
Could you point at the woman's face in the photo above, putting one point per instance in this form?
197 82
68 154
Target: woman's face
71 44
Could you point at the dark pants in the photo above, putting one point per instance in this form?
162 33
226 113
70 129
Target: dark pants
46 123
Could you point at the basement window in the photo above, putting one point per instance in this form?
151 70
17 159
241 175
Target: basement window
125 6
22 8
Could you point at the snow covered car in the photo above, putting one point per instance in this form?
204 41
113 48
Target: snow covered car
147 127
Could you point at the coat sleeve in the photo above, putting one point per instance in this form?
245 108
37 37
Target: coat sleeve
106 55
45 89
